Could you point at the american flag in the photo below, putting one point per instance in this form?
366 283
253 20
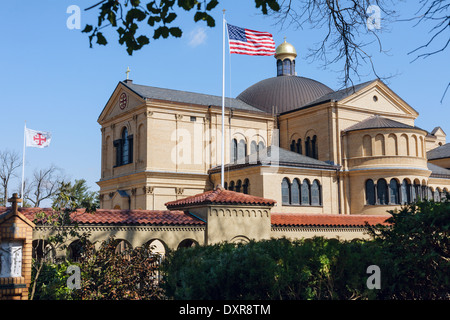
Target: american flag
251 42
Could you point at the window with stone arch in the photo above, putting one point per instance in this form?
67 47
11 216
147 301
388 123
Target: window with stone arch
394 192
233 150
246 186
306 193
316 194
238 186
241 149
382 192
295 192
367 146
370 192
124 148
253 147
285 191
405 192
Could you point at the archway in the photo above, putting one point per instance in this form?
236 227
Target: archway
187 243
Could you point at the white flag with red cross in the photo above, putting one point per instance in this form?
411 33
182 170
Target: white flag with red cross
37 139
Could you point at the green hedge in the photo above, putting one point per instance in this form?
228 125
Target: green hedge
315 268
412 254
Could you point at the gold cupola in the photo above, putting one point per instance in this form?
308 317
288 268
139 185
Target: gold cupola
285 55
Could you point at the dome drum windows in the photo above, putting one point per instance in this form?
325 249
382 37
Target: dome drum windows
301 194
285 67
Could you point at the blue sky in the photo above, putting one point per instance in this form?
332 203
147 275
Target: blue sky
52 79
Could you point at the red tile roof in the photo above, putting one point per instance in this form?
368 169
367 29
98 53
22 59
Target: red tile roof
123 217
220 196
335 220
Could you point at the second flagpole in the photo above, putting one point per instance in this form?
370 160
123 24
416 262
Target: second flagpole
23 160
222 170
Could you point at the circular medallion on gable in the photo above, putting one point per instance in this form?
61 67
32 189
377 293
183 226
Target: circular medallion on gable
123 100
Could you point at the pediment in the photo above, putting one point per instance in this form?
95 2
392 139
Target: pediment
380 99
122 101
438 132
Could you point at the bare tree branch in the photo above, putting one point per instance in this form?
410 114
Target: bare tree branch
346 31
9 162
44 184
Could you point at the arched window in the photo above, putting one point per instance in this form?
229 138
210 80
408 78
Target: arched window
293 147
430 193
231 187
238 186
261 146
437 195
314 149
406 192
382 192
285 191
305 192
308 147
370 192
417 191
124 148
242 149
245 186
379 145
286 67
279 68
444 194
316 198
75 250
225 186
367 146
253 147
295 192
233 150
394 192
299 146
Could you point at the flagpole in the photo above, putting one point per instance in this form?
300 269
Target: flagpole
23 159
222 171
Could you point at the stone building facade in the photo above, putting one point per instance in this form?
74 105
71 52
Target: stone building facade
301 160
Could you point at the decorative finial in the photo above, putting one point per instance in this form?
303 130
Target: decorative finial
14 201
127 72
284 38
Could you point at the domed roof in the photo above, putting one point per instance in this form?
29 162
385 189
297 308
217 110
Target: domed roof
283 93
285 49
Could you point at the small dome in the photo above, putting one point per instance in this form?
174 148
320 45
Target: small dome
285 49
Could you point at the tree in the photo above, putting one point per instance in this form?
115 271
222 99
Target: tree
9 162
76 195
61 228
128 275
44 184
350 26
416 252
